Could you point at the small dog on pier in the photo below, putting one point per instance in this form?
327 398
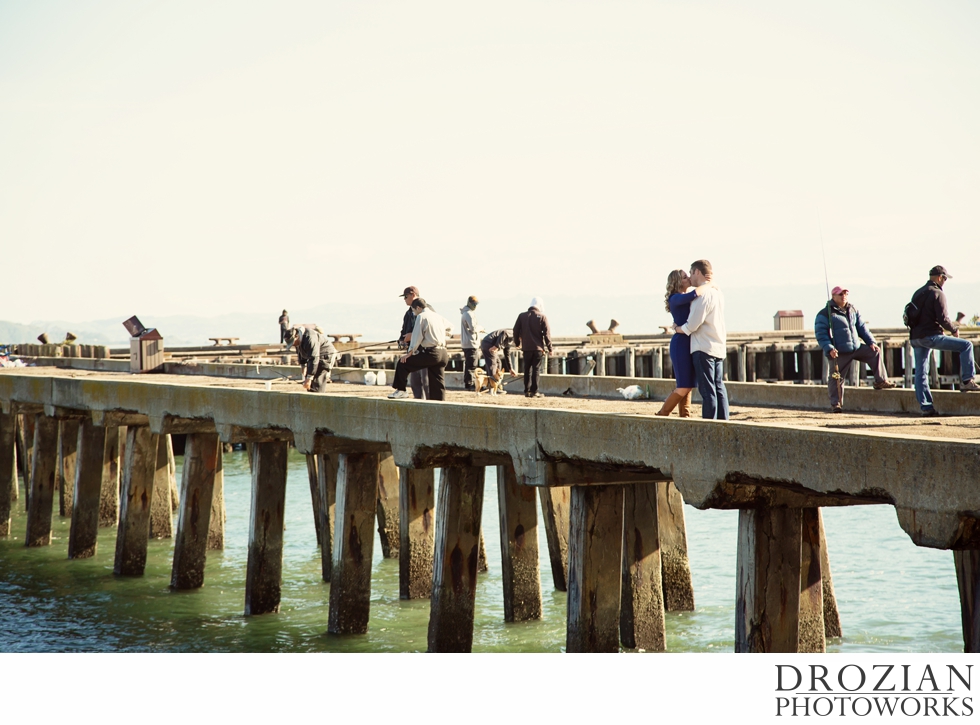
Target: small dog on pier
492 383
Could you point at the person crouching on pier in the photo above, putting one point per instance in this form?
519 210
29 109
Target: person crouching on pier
678 301
316 353
426 351
839 330
496 349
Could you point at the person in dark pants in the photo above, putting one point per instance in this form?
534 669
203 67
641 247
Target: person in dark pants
469 334
283 327
426 351
706 327
496 348
316 353
419 380
533 333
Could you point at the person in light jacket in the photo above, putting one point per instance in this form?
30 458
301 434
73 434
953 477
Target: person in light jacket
470 332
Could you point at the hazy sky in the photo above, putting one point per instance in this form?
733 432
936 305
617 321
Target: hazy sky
212 157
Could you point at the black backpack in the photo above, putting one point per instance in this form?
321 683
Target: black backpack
912 313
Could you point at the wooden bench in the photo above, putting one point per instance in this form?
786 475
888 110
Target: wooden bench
228 340
350 337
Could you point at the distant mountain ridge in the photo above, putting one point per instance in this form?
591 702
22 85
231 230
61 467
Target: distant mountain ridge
746 309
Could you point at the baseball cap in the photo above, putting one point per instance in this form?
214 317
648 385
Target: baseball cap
410 291
938 270
472 300
839 290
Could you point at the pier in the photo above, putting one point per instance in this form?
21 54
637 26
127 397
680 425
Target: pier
609 478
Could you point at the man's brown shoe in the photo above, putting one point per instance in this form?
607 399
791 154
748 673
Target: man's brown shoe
969 386
884 385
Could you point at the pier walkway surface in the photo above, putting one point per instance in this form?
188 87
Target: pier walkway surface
609 475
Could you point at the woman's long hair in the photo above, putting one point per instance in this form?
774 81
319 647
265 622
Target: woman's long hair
673 285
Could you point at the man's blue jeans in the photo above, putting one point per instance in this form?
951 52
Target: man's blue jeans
710 374
922 349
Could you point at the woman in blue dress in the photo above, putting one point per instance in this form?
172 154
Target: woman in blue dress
678 302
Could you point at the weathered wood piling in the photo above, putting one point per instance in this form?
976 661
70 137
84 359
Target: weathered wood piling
201 454
90 447
43 466
263 578
139 474
8 468
417 515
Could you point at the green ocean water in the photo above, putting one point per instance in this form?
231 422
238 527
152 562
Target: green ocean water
893 596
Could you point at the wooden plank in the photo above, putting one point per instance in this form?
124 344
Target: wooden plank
595 557
201 454
518 547
137 492
416 501
457 552
90 449
641 620
263 578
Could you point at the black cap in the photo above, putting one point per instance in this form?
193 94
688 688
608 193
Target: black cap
940 270
410 291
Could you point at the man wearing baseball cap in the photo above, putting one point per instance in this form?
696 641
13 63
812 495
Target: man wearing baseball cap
927 317
840 331
419 379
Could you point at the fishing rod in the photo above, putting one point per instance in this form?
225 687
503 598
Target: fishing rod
826 278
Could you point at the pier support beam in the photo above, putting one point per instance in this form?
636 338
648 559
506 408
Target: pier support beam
109 495
678 589
555 504
350 581
8 468
201 453
518 547
831 615
388 484
968 580
812 636
25 452
595 559
161 506
641 619
137 492
327 467
313 476
263 579
172 475
767 601
457 553
416 502
83 539
216 522
41 498
67 460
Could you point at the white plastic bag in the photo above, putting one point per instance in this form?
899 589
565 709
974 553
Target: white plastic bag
382 378
370 378
633 392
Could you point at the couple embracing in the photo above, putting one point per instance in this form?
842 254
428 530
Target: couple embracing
698 348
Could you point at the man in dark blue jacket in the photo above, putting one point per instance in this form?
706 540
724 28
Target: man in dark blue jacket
841 333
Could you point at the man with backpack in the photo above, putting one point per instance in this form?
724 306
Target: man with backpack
927 316
840 331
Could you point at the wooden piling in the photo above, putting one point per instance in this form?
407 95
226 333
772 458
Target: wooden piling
41 495
595 558
812 637
518 547
313 476
14 484
8 468
67 461
657 360
216 521
600 365
201 453
416 501
263 578
350 581
327 468
25 446
742 364
172 475
555 504
90 450
457 552
138 481
482 565
641 619
161 506
967 565
631 362
767 605
909 372
678 587
109 495
388 484
831 615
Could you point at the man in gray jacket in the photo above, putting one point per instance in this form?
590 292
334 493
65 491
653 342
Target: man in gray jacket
470 332
316 354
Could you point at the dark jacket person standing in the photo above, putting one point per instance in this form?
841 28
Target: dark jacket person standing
283 327
931 317
840 331
419 379
533 334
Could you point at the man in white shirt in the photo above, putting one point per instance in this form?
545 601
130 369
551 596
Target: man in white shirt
706 326
426 351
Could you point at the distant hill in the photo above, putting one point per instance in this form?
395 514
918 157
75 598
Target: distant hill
747 309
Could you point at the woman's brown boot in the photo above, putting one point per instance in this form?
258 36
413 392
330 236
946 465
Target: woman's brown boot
684 406
672 401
